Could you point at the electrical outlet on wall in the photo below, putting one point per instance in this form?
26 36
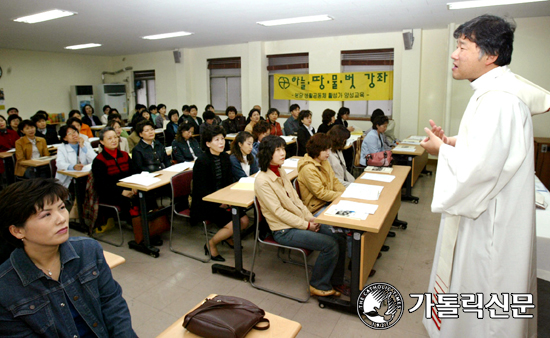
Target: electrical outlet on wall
543 148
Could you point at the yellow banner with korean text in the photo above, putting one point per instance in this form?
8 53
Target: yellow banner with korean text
356 86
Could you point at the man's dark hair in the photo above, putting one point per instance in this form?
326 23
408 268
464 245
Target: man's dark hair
43 112
141 125
21 200
236 150
152 107
172 112
193 107
208 106
208 115
260 128
317 143
74 112
73 120
338 136
209 133
230 108
293 107
303 114
63 132
13 108
267 148
492 34
184 108
378 121
327 116
343 111
37 117
25 123
181 128
160 106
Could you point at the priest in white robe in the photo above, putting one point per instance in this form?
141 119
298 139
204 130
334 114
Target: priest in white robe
484 188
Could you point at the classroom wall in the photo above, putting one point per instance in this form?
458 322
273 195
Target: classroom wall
422 90
40 80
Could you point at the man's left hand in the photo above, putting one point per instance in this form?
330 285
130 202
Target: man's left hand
431 143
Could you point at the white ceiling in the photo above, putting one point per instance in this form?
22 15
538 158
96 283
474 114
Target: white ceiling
119 24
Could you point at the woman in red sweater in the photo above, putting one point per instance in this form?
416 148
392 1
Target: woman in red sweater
7 139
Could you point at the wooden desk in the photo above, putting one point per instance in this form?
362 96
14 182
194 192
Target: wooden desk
368 235
113 260
278 327
38 163
417 160
239 200
8 157
77 188
145 246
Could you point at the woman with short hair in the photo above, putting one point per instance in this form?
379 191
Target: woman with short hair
185 148
375 141
338 136
305 131
271 117
172 127
293 224
73 154
329 117
53 285
122 142
253 118
243 163
230 123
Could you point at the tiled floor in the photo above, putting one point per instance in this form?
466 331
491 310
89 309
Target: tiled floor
159 291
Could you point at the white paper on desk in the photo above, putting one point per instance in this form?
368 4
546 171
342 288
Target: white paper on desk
291 163
86 168
363 191
168 149
351 209
288 138
92 139
11 151
231 135
146 179
410 149
288 171
410 141
378 177
178 168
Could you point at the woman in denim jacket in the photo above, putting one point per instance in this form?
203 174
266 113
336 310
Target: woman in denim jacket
53 285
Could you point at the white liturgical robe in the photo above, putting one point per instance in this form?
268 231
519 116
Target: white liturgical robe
484 190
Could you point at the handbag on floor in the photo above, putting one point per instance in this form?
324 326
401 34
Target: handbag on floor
158 223
225 317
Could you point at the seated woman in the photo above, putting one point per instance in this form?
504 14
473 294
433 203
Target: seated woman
123 143
318 185
58 286
338 136
172 127
75 122
272 116
329 117
117 117
343 116
375 141
305 131
84 129
30 147
44 130
261 130
391 139
134 138
7 139
161 117
110 166
253 118
185 148
230 123
13 124
105 117
243 163
149 155
293 224
212 172
89 118
74 154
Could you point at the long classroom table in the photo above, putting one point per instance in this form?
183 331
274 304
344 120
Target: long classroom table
239 200
368 235
417 160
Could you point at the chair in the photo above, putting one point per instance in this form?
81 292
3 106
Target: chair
181 187
357 158
116 209
269 240
95 144
53 168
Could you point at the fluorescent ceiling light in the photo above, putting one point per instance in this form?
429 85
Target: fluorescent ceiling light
166 35
44 16
86 45
303 19
486 3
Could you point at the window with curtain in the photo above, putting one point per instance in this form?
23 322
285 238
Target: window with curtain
367 60
225 83
144 87
286 64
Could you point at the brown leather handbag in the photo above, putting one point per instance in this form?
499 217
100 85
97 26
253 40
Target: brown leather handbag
225 317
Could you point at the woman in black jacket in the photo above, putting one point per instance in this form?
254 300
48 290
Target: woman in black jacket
172 127
88 116
212 172
230 123
185 148
305 131
329 117
149 155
